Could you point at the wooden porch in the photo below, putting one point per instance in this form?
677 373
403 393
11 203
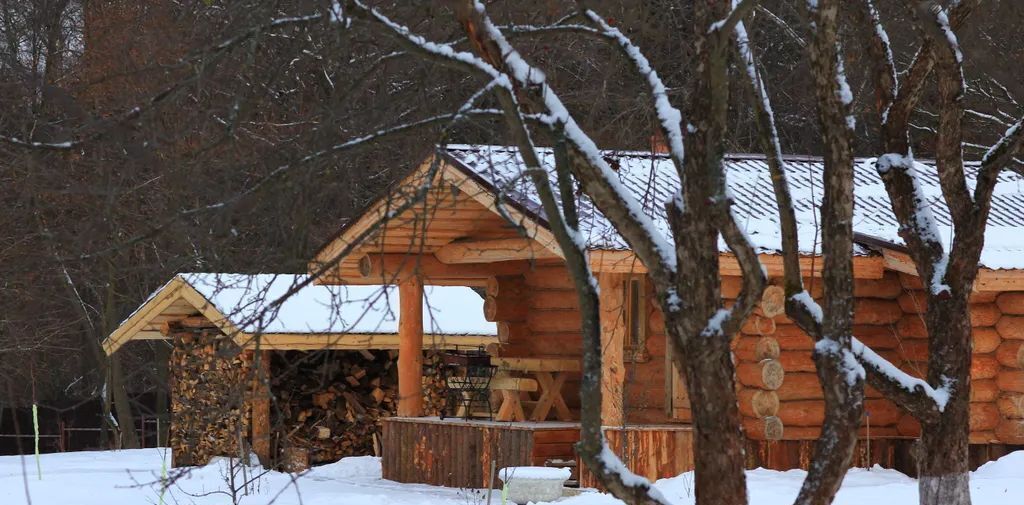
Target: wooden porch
458 452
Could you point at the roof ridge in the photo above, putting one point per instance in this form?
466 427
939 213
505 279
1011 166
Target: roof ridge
739 156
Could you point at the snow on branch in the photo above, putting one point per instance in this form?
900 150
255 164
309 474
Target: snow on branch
740 8
886 77
847 358
754 274
530 77
909 386
444 52
1008 143
613 464
800 306
891 166
669 117
997 157
942 20
804 300
761 94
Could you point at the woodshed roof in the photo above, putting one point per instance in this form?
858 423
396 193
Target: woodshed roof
246 306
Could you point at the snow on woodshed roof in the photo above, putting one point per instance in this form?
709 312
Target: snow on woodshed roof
652 179
248 302
245 306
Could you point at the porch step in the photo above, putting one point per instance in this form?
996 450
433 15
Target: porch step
564 463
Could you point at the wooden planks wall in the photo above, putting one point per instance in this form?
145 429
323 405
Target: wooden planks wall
893 453
455 453
650 451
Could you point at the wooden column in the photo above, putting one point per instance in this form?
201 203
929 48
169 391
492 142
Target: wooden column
261 407
410 347
613 335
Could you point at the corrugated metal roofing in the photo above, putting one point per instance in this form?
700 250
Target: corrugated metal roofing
653 180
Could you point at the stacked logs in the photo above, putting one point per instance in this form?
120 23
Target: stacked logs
209 378
779 392
506 303
759 371
329 405
433 383
1010 376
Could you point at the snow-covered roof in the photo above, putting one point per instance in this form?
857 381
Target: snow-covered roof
652 179
248 302
313 317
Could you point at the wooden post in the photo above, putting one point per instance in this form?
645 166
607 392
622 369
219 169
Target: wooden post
613 335
261 408
410 347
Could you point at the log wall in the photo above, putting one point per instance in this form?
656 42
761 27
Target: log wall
550 327
997 368
778 388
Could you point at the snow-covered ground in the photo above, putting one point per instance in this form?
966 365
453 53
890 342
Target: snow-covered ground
129 477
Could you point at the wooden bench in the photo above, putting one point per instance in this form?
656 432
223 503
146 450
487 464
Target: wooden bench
550 375
510 388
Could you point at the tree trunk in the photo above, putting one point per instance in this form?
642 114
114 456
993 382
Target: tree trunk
943 461
122 405
718 443
162 357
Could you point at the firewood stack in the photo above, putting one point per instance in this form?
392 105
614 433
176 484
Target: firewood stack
433 383
329 402
208 388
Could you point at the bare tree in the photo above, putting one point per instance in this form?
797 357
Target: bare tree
948 270
841 377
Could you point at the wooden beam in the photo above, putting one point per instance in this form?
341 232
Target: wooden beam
410 348
899 262
449 176
623 262
486 197
396 268
987 280
355 342
377 212
489 251
999 280
613 334
163 299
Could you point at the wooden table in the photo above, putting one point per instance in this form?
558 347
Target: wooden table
550 375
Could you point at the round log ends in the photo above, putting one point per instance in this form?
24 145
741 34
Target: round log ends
1011 353
758 403
765 374
773 301
764 428
1011 405
766 348
1011 431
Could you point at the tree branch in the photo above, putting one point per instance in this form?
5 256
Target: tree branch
909 392
949 151
804 311
218 51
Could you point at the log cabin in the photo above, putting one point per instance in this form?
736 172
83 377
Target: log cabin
476 223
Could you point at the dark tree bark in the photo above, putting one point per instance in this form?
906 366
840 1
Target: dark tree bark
947 273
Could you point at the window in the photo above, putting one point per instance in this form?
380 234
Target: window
635 341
